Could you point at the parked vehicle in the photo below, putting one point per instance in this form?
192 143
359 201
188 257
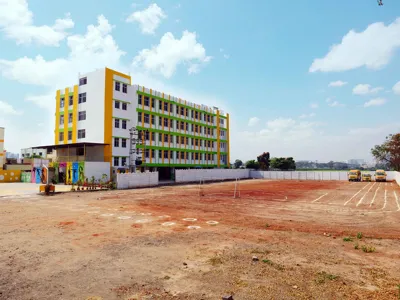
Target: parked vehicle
354 175
366 177
380 175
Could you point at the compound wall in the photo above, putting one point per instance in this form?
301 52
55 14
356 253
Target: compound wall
194 175
397 177
134 180
310 175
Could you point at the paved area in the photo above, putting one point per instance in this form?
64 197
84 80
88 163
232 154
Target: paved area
22 188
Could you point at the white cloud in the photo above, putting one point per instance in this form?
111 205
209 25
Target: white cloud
221 50
373 48
305 116
7 109
314 105
365 89
170 52
396 88
338 83
16 21
334 103
253 121
177 21
226 56
375 102
149 19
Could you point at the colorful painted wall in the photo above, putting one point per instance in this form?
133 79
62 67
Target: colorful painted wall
10 176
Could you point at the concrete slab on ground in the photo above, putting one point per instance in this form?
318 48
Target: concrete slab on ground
22 188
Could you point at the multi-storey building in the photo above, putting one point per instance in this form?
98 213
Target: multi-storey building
2 154
104 106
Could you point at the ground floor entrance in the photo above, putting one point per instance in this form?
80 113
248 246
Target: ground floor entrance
166 173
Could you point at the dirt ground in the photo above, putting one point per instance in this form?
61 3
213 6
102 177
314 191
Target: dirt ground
277 240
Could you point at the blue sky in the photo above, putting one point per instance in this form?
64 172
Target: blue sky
312 80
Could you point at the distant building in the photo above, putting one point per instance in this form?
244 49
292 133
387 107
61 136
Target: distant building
12 155
356 161
29 152
2 160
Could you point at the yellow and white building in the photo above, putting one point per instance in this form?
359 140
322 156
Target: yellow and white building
104 105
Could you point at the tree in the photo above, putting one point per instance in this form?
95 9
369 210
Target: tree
264 161
252 164
389 152
283 163
238 163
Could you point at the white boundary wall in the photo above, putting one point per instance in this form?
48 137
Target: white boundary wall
397 177
310 175
194 175
133 180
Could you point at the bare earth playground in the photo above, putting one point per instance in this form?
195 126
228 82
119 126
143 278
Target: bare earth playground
278 240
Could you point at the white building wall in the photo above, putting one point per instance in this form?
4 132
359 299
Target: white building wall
94 106
397 177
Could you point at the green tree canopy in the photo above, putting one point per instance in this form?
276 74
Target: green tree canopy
238 163
283 163
252 164
264 161
389 152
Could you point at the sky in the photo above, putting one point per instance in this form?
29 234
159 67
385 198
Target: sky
314 80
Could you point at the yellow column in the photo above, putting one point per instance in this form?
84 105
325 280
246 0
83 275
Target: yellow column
228 140
66 95
57 127
218 141
75 115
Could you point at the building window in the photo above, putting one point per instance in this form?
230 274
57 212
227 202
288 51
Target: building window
82 98
124 88
182 111
146 118
62 102
124 106
82 115
139 116
177 109
165 106
166 153
140 99
70 118
61 119
123 124
153 119
160 137
182 125
71 100
222 133
61 136
116 161
166 138
146 101
117 86
159 153
147 153
160 104
165 122
83 81
182 155
147 135
221 121
116 123
81 133
116 142
123 161
152 153
159 121
116 104
69 135
123 143
171 109
171 123
153 136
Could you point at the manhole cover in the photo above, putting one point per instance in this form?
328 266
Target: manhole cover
193 227
212 222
